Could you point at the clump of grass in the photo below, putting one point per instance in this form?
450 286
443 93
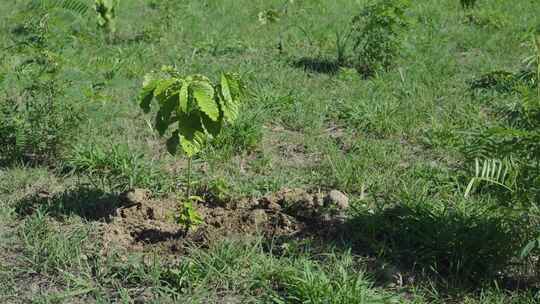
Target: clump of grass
50 248
459 243
117 169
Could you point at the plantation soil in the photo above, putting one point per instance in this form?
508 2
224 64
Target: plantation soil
149 225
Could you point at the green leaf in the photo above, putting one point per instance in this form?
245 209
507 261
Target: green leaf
192 135
162 87
528 248
203 92
192 103
183 96
230 92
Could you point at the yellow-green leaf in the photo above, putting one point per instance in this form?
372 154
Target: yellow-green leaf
183 96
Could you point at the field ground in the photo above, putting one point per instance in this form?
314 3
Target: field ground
393 143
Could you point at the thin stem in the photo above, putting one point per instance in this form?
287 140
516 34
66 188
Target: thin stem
188 192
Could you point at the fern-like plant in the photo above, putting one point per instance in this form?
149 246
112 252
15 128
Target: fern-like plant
194 110
493 171
517 138
106 11
75 6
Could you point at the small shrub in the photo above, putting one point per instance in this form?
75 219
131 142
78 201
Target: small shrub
36 117
35 129
377 34
516 141
507 156
521 82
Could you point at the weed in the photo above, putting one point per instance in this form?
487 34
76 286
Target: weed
217 191
244 135
486 19
116 169
106 16
188 215
75 6
500 81
471 242
312 284
467 4
377 34
48 250
268 16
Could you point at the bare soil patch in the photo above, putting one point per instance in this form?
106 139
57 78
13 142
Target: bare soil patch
146 224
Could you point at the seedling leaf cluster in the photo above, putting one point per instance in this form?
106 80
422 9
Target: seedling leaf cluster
191 111
192 107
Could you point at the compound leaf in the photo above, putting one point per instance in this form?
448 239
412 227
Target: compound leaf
195 103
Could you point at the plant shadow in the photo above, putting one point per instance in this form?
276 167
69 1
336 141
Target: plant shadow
88 203
470 246
415 244
154 236
317 65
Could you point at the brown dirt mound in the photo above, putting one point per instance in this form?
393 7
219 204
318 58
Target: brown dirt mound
144 224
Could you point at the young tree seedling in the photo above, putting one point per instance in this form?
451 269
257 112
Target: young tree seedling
191 111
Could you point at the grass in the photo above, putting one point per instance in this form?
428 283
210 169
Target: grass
392 142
